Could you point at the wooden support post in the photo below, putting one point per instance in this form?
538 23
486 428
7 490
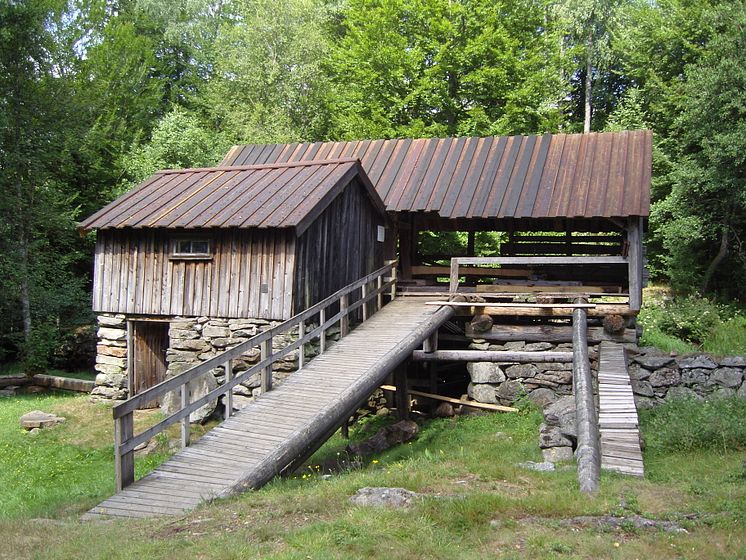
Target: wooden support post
363 295
379 297
301 349
322 336
586 418
453 285
430 344
635 262
344 321
393 283
185 427
266 376
470 242
406 243
124 463
228 400
401 398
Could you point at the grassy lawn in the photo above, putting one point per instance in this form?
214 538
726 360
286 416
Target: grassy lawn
477 503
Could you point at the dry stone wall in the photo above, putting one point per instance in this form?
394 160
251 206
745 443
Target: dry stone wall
192 340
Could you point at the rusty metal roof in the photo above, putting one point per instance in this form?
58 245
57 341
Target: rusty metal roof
596 175
275 195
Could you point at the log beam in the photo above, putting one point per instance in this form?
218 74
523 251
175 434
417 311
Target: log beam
491 356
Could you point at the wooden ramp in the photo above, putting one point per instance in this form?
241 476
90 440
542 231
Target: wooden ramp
284 426
618 422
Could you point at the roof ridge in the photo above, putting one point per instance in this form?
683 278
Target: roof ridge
259 166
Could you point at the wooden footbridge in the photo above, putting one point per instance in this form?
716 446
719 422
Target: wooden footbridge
283 426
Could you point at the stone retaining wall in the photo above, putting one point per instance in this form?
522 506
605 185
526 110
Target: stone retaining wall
655 376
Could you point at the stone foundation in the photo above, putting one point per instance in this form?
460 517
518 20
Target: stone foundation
192 340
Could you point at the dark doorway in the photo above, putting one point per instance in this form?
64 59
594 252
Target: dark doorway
149 345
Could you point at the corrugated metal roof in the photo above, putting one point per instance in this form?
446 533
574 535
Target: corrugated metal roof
596 175
276 195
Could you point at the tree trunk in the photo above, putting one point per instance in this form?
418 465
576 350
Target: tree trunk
588 86
722 252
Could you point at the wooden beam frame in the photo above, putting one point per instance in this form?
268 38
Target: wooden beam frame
635 262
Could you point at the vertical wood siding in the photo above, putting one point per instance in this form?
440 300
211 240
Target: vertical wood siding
134 274
338 248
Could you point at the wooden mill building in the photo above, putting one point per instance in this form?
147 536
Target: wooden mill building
275 228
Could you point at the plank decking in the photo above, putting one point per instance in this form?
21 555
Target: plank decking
285 424
618 422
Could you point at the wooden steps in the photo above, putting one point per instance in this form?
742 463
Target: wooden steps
284 425
618 421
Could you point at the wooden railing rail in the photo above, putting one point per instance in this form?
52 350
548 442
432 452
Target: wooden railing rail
457 261
371 288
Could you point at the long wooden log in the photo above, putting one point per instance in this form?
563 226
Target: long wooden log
471 404
490 356
548 333
588 453
601 310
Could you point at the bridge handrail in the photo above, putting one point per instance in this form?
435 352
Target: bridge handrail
125 441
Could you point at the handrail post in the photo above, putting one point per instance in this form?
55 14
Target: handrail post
363 295
301 349
322 336
379 297
344 321
185 427
228 400
266 353
124 463
393 282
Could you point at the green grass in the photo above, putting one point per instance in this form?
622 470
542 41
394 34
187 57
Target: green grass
728 337
477 502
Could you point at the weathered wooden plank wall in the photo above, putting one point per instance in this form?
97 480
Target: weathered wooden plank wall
340 247
135 274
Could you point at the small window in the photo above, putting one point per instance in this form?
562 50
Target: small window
191 249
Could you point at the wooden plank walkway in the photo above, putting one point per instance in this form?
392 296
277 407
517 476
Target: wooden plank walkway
618 422
286 424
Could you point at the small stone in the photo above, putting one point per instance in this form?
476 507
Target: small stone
546 466
679 393
510 391
515 345
542 396
552 436
554 377
384 497
538 346
111 360
643 388
118 352
113 343
644 403
723 393
111 320
695 376
107 393
653 362
485 372
241 390
109 369
443 410
733 361
482 392
558 454
112 334
240 401
224 342
521 371
182 334
195 345
479 345
117 380
699 361
39 419
181 325
34 431
8 392
561 413
216 332
665 377
727 377
481 323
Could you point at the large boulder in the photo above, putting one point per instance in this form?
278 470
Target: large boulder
562 415
384 497
510 391
653 362
665 377
699 361
199 387
39 419
521 371
482 392
727 377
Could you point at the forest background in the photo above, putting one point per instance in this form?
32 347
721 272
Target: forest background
95 95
